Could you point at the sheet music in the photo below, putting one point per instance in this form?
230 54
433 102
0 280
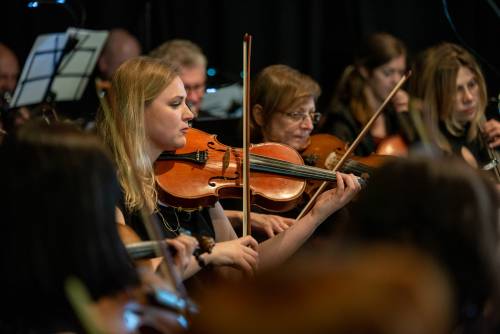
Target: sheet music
39 66
72 73
77 66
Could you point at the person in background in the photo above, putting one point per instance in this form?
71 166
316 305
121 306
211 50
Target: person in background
120 46
9 69
364 85
283 107
451 87
283 110
192 64
9 73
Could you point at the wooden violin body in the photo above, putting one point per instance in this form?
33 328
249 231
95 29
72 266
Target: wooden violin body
205 170
393 145
325 150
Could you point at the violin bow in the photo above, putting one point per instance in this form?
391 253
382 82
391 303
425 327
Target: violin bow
247 49
355 143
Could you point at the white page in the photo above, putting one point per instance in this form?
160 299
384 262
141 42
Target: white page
72 73
78 65
44 55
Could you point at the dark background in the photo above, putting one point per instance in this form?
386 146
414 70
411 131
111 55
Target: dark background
318 37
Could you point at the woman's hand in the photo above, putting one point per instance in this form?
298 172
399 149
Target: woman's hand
400 101
332 200
492 131
185 246
239 253
270 224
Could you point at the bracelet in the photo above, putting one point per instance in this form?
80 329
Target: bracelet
197 255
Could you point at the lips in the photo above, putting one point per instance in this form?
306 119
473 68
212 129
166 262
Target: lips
301 138
469 110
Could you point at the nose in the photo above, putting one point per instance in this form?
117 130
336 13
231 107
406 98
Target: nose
467 97
194 95
396 77
307 123
187 114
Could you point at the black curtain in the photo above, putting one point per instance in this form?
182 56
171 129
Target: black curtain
317 37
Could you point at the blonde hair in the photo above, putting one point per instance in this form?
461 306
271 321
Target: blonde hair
180 53
437 88
135 84
278 88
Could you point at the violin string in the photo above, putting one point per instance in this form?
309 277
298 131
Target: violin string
303 171
273 165
355 166
299 170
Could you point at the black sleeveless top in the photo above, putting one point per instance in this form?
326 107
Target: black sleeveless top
476 146
170 220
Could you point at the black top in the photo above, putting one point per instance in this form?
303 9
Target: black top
198 222
476 146
342 124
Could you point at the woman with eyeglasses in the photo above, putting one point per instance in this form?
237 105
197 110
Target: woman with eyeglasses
283 110
283 107
363 87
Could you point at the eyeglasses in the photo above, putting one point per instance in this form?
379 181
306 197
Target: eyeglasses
297 116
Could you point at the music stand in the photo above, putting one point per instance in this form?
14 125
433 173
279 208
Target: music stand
58 67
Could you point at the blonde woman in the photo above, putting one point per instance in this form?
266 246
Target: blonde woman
151 116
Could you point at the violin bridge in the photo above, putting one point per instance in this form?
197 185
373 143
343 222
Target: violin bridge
331 161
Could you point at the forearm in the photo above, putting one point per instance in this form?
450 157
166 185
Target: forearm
224 271
234 217
222 227
192 268
276 250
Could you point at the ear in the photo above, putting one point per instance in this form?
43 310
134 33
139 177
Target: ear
258 114
102 64
364 72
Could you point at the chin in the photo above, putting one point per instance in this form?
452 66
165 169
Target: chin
299 146
467 118
181 143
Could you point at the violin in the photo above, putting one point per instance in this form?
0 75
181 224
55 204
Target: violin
355 143
153 306
149 308
393 145
325 150
205 170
